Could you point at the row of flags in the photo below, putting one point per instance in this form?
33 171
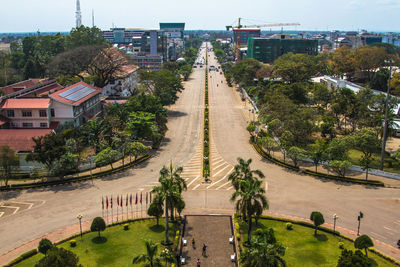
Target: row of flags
128 200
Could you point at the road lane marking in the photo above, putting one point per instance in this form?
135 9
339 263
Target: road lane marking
387 228
11 207
223 178
196 186
223 163
193 180
223 185
381 236
1 213
229 188
218 161
227 166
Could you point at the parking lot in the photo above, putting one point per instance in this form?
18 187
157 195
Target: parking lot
8 208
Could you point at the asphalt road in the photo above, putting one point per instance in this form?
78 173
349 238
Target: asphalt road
288 192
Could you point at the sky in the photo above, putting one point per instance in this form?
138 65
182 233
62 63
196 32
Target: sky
59 15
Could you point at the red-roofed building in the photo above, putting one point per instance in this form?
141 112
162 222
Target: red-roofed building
72 102
25 113
20 140
30 88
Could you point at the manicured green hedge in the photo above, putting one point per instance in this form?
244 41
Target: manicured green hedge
317 174
23 256
206 131
76 179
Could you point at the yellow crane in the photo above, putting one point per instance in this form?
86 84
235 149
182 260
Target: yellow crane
240 26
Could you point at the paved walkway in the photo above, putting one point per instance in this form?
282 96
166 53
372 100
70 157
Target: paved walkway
214 232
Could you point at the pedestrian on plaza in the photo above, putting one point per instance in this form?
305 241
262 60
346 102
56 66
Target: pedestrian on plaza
204 250
198 262
193 243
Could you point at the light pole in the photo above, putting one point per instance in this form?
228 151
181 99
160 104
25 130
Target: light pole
386 116
335 217
79 217
360 216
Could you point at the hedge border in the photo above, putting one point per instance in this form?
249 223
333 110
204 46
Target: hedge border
206 128
76 179
316 174
34 251
326 230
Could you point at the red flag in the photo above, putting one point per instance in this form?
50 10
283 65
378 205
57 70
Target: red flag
120 201
140 197
117 200
102 202
111 202
147 198
127 200
136 199
106 202
130 199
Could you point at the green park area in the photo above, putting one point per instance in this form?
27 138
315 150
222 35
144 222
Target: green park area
116 247
303 248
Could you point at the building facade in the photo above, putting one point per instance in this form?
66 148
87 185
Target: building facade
268 50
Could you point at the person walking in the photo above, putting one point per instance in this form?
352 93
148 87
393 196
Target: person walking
204 250
198 262
193 243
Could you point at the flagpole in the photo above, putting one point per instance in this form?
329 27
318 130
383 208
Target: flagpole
112 212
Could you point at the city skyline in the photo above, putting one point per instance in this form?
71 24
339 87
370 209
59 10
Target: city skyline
371 15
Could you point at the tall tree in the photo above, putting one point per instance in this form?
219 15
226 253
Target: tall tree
363 242
251 199
107 156
242 171
368 143
8 162
318 219
295 67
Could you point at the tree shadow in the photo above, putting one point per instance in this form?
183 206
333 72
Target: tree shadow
157 228
321 237
99 239
373 262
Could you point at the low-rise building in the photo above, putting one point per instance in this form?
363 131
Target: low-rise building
79 103
30 88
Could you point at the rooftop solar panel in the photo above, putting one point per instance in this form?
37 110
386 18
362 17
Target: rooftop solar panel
72 90
80 94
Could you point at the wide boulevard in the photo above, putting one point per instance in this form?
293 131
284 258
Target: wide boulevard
288 192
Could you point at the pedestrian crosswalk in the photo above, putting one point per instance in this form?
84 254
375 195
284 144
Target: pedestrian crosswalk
220 170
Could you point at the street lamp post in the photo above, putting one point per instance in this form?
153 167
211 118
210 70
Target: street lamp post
79 217
386 116
360 216
335 217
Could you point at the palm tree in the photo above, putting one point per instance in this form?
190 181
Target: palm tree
243 172
264 251
169 190
252 200
150 257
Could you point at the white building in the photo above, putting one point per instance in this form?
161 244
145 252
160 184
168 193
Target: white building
125 82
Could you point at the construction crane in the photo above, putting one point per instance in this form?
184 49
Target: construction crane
240 26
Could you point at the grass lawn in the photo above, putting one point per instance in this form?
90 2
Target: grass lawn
304 249
393 166
119 248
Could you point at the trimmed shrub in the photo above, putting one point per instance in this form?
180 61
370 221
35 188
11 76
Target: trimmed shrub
23 256
45 245
289 226
341 245
126 226
72 243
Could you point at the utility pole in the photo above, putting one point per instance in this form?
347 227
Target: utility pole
386 117
360 216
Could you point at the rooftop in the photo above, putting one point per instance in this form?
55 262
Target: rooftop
20 140
76 93
19 86
26 103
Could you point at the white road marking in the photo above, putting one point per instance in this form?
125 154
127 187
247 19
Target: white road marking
216 162
229 188
11 207
387 228
227 166
196 186
223 178
397 222
23 203
223 185
216 167
1 213
378 235
193 180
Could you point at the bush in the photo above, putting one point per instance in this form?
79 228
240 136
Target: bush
289 226
126 226
72 243
23 256
341 245
44 245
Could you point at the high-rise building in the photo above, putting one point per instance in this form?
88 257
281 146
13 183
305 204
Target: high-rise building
78 14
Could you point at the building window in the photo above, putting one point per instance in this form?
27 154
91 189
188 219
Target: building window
27 124
52 113
43 113
27 113
43 125
10 113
